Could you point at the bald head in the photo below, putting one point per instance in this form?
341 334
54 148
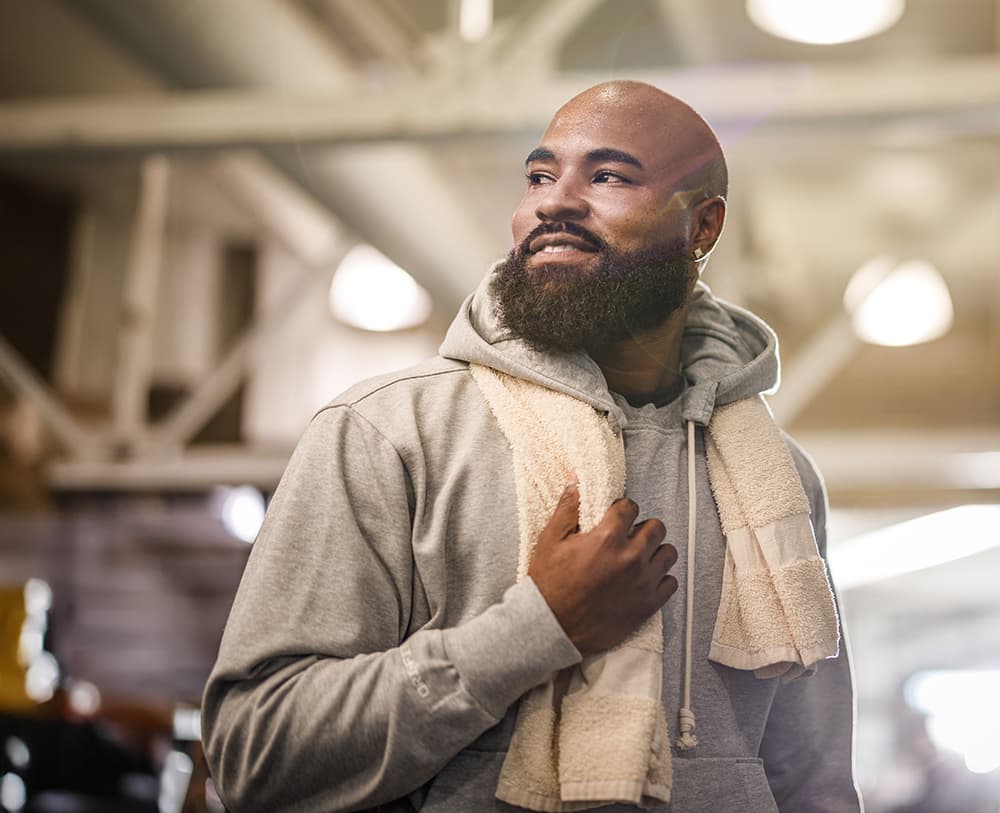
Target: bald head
682 140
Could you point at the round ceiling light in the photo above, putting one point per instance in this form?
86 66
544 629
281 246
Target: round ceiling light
825 22
242 510
899 305
371 292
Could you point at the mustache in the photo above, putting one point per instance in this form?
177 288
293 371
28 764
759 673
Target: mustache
562 228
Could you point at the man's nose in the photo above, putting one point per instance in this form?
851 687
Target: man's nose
562 200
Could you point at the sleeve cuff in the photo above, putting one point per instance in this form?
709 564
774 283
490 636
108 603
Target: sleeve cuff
510 648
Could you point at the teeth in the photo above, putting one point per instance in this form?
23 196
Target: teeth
556 249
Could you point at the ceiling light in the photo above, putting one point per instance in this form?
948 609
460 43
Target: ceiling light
13 793
914 545
42 678
900 306
84 698
18 753
962 712
475 19
37 597
187 724
175 778
973 469
825 22
242 510
371 292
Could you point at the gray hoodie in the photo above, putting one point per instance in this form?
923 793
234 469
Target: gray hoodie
378 644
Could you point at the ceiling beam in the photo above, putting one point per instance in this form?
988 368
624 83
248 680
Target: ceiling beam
372 22
177 429
286 56
908 463
197 469
267 43
287 213
691 26
878 460
960 94
530 46
134 370
828 351
27 384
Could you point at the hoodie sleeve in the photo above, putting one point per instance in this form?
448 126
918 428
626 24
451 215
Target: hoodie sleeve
808 745
316 701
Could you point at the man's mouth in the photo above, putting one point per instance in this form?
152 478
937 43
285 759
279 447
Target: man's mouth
560 243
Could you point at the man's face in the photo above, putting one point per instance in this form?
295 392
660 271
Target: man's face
599 232
606 165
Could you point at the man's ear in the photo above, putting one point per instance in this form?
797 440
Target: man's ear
707 221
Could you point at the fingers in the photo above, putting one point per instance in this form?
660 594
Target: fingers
662 560
666 588
664 557
565 520
618 519
650 532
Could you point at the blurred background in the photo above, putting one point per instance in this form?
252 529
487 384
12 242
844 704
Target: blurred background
215 215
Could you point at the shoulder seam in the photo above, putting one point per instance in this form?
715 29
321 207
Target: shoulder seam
355 415
390 384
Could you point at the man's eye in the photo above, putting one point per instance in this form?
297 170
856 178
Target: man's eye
606 176
538 178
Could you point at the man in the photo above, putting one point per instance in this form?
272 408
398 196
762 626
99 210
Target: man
405 597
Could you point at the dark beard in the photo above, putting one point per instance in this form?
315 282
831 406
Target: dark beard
559 307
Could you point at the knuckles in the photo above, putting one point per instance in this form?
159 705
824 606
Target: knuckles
669 553
626 506
655 529
604 535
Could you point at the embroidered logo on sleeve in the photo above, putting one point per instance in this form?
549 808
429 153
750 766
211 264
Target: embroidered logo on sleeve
414 673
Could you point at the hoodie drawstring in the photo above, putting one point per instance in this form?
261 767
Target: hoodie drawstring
687 739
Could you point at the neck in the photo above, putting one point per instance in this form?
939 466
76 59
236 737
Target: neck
645 368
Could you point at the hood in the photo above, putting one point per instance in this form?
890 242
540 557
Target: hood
728 354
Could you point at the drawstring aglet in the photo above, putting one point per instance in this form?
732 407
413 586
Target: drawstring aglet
687 740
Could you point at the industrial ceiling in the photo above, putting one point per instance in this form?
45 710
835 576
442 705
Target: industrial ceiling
388 128
306 126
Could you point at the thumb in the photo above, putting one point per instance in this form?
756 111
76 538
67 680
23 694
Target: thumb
565 520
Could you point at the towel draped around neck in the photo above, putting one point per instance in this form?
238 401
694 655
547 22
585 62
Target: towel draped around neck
597 733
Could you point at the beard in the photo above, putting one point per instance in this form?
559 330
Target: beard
557 306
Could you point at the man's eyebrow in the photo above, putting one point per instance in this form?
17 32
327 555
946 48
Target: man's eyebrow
540 154
593 157
616 156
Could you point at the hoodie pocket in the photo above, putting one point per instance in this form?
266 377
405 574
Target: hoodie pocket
723 785
468 783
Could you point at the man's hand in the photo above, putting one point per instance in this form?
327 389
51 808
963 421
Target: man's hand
603 584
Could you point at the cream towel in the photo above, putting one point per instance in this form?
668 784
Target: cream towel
597 734
777 615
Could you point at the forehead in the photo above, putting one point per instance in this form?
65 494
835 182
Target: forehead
648 129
